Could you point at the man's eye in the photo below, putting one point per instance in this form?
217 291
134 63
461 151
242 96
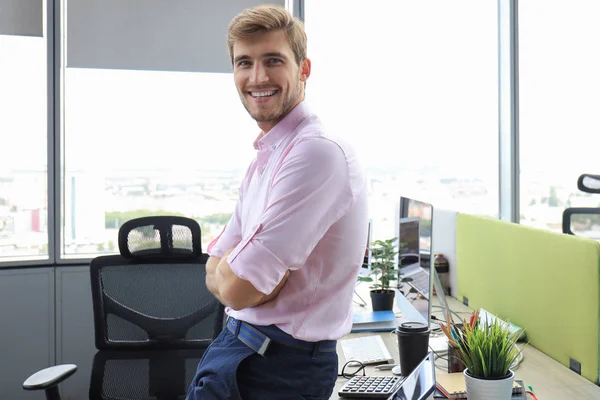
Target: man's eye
275 61
243 63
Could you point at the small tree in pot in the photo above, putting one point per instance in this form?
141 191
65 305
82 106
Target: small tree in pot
383 254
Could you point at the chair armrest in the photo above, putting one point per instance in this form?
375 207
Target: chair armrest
49 377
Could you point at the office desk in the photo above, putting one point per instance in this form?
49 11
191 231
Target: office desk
549 379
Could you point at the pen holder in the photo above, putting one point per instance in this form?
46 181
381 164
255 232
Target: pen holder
454 362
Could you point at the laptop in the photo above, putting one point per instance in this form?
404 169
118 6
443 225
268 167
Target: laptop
415 261
411 263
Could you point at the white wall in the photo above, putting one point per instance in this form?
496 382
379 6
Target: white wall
444 240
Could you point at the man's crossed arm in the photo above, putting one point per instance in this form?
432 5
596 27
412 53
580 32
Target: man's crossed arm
233 291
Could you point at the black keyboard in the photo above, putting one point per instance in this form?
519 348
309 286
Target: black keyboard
371 387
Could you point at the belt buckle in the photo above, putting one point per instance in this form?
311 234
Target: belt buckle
237 325
264 346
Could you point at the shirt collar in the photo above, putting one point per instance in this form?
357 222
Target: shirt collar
283 128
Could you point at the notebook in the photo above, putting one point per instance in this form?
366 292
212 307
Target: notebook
518 396
373 321
453 386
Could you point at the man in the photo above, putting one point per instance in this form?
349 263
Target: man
286 264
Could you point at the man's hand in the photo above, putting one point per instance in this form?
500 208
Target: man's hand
211 273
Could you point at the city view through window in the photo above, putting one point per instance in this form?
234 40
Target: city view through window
23 159
559 103
414 90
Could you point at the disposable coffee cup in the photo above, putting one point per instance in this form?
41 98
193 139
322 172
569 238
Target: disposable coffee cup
413 345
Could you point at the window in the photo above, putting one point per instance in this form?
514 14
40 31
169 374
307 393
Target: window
413 85
559 103
141 142
23 133
151 127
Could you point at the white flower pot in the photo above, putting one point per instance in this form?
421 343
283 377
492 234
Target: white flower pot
489 389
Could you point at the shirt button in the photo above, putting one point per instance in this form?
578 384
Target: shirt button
273 147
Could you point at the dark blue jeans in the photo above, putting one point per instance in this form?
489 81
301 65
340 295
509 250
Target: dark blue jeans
231 370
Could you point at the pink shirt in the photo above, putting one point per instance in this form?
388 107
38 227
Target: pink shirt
302 207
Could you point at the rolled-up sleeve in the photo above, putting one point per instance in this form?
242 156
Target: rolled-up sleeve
228 238
309 191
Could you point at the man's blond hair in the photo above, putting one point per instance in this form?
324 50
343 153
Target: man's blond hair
268 18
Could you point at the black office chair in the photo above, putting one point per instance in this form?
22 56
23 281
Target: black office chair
153 315
589 184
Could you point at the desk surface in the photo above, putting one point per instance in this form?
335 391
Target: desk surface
549 379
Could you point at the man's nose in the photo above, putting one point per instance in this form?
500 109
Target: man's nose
259 75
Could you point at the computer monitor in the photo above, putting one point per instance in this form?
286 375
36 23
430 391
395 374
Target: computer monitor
414 218
408 243
424 211
365 270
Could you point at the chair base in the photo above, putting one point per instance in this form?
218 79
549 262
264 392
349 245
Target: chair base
52 393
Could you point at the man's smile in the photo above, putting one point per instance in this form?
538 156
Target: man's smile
263 93
262 96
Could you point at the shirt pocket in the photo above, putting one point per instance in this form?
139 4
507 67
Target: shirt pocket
255 229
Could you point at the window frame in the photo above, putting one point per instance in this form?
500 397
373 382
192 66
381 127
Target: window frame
508 130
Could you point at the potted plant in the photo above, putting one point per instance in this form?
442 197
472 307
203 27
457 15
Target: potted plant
383 254
488 350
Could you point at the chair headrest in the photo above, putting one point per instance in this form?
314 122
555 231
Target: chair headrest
160 236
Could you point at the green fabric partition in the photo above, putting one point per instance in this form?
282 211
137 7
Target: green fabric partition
545 282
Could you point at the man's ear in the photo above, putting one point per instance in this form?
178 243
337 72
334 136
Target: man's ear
304 70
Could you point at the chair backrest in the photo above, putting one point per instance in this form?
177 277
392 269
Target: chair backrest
585 219
153 295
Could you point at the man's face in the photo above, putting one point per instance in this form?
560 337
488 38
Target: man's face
267 78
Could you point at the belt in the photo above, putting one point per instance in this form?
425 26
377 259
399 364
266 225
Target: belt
259 338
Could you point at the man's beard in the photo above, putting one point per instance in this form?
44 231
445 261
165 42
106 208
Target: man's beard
279 112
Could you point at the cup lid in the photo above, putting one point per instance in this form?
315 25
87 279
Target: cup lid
413 327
